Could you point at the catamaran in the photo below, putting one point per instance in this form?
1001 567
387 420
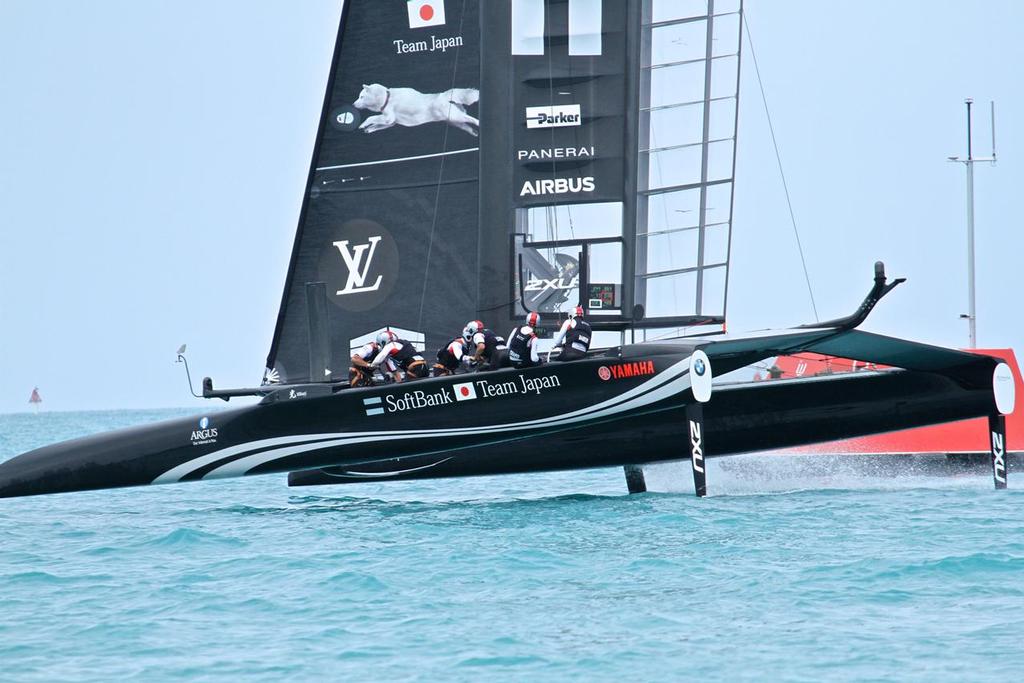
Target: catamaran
485 159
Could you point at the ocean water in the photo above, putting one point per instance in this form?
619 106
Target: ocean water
793 569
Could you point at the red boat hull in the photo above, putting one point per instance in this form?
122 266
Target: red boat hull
966 436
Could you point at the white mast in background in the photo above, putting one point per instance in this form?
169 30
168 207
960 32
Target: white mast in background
969 162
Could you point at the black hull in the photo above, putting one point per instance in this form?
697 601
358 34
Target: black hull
628 407
739 419
507 412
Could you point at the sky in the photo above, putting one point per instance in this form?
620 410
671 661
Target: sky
153 157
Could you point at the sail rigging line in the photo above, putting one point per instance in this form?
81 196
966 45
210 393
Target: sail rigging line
778 159
440 176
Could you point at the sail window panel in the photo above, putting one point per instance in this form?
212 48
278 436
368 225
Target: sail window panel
673 210
672 250
716 244
674 167
550 278
713 291
671 295
573 221
726 31
722 119
720 159
724 71
676 43
528 27
676 126
585 27
677 84
604 268
718 206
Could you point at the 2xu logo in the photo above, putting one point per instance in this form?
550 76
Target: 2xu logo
696 446
998 457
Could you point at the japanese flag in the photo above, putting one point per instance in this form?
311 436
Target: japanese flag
464 391
424 13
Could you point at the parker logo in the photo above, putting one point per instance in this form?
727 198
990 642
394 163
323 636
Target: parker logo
557 186
358 266
205 434
464 391
424 13
553 116
640 368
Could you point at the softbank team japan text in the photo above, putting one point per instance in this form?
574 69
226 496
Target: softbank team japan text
481 388
435 44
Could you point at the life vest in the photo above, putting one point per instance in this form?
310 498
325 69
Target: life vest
404 354
519 345
578 336
490 343
446 358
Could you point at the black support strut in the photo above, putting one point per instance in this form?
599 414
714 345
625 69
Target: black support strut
635 481
997 445
695 432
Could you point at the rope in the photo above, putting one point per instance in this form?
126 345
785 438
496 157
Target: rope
778 159
440 177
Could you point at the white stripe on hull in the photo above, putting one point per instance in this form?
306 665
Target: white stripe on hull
651 391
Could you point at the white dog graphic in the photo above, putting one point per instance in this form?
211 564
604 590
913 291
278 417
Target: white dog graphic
409 107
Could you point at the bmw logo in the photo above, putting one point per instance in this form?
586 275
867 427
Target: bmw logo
698 367
204 423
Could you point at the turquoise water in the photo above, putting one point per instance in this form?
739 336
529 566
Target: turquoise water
784 573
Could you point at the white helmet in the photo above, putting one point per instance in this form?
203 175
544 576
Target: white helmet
471 328
576 312
385 337
533 319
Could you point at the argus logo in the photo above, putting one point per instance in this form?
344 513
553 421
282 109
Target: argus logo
205 434
424 13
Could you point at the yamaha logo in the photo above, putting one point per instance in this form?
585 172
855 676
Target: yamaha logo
604 373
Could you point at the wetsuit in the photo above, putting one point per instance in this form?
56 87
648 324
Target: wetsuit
360 375
401 355
485 345
575 339
449 357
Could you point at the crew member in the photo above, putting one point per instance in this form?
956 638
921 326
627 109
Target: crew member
574 336
449 357
484 344
361 372
522 345
399 356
